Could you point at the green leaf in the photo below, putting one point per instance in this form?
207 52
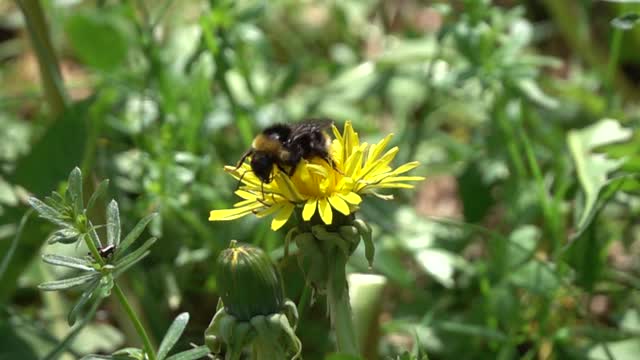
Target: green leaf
100 190
68 261
173 334
626 21
68 283
45 211
133 235
113 223
99 38
192 354
134 257
67 235
129 354
75 190
593 168
82 301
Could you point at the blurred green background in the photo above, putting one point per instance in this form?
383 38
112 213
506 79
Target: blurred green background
523 242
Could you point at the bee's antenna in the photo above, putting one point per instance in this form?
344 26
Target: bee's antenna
244 156
240 180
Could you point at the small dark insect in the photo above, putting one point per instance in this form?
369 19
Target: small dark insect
107 251
286 145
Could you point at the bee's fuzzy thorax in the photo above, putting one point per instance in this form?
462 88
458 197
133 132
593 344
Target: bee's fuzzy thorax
266 144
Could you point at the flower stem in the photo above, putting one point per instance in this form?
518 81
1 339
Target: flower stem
342 319
148 348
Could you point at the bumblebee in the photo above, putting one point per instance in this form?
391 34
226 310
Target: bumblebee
285 146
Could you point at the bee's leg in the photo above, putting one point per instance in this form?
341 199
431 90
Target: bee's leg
330 161
262 189
282 169
271 192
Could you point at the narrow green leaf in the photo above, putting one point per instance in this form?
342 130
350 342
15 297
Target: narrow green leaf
100 190
124 266
96 357
68 283
67 235
134 256
75 190
82 301
45 211
68 261
113 224
173 334
192 354
133 235
128 353
6 259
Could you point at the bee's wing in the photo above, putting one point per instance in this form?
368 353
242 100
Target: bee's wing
300 131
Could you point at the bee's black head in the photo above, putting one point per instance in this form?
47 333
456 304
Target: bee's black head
262 165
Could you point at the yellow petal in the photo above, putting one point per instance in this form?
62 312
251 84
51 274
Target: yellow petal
325 211
395 186
351 198
232 214
376 149
287 188
246 194
318 170
336 133
309 209
406 167
269 210
380 165
244 203
392 179
353 163
282 217
339 204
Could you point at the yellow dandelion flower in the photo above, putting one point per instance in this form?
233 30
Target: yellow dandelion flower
316 186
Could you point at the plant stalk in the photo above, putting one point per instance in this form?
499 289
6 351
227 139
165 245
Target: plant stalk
148 348
342 320
50 75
